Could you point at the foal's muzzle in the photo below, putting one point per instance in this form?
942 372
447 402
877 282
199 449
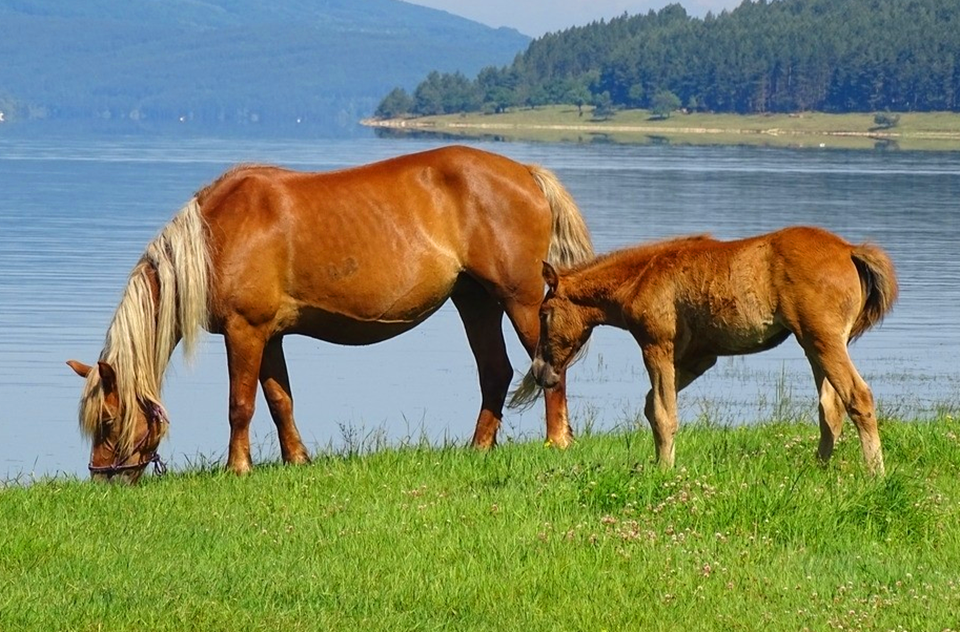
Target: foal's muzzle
544 374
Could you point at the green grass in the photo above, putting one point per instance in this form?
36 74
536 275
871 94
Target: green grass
916 130
748 533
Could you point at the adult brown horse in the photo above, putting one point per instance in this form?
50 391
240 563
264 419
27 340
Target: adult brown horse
687 301
351 257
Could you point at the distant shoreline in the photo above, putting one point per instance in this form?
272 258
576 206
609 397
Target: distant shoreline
931 131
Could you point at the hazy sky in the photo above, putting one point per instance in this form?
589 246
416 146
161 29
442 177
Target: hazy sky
536 17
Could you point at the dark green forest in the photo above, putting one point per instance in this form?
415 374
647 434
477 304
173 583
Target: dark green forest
763 56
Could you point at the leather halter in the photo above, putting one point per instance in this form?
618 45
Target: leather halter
157 415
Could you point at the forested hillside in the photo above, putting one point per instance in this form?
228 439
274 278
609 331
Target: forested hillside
227 62
764 56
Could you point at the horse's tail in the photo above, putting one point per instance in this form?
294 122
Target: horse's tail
570 244
879 281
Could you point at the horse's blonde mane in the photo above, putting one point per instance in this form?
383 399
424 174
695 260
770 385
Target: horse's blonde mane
145 329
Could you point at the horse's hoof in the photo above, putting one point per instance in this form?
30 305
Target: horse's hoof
561 443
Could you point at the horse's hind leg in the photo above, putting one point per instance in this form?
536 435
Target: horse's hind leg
482 319
275 383
831 414
834 360
525 317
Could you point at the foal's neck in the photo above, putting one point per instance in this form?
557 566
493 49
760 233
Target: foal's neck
597 288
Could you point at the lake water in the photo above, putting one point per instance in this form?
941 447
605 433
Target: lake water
75 216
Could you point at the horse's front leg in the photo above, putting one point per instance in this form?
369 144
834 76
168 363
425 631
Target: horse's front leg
661 402
244 353
275 382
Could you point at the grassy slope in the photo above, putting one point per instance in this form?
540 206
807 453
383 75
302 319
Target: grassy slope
748 533
916 130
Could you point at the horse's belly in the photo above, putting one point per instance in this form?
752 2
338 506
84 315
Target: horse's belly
346 329
397 291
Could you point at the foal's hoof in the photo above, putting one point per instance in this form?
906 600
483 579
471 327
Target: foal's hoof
240 469
301 458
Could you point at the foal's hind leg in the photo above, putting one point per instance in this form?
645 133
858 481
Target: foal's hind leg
831 414
482 319
275 383
834 360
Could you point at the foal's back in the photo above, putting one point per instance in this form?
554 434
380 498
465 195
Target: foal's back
764 266
747 295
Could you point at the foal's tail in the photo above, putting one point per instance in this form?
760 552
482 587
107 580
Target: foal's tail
570 244
879 282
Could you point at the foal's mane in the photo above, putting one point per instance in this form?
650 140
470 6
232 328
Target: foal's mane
145 329
647 249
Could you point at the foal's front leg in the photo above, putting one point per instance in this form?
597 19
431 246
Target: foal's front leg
661 404
526 321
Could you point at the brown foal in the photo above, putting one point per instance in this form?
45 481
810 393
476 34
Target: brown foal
687 301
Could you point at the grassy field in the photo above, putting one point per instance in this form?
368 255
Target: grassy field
748 533
919 130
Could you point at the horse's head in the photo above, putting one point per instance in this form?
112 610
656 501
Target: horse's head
125 436
563 331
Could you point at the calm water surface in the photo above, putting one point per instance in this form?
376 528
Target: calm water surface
76 215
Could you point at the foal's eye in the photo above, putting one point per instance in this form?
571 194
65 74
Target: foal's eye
545 317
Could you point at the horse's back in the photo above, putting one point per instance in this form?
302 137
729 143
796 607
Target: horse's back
384 242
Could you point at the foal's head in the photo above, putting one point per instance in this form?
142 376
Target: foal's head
563 331
125 440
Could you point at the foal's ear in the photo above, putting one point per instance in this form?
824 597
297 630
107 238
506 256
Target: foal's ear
550 276
108 377
81 369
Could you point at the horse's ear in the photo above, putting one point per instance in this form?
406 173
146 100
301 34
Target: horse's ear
550 276
108 377
81 369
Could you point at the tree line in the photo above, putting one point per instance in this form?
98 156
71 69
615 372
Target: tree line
764 56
